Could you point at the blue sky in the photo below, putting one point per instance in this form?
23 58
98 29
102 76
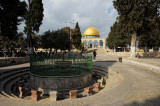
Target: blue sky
97 13
110 10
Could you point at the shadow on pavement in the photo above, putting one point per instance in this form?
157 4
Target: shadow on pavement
103 66
91 51
150 102
107 61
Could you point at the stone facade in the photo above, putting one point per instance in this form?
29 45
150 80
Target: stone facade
94 42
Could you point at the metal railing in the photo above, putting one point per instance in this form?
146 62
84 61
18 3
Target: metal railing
60 65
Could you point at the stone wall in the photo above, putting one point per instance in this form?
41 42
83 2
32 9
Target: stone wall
47 84
14 60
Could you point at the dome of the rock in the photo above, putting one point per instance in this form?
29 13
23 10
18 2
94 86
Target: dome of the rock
91 31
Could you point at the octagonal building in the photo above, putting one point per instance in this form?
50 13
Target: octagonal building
92 39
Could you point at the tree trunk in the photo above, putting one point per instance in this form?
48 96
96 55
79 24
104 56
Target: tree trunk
50 50
29 31
30 49
114 49
155 49
56 51
133 46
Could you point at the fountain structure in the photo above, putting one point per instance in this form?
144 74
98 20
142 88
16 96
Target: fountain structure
59 73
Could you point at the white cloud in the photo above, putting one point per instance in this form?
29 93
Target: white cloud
96 13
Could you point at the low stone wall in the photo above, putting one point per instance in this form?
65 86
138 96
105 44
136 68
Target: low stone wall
142 54
144 65
14 60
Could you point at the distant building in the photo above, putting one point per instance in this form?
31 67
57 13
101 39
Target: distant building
91 39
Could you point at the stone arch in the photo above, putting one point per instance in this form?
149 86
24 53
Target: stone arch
90 44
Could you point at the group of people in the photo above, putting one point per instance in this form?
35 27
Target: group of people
13 53
72 53
8 53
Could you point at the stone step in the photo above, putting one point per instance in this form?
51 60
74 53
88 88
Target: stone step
6 81
9 83
103 69
3 70
100 72
2 82
8 73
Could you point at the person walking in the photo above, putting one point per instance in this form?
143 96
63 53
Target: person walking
6 53
94 54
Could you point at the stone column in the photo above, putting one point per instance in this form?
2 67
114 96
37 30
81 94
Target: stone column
104 44
34 95
20 91
89 90
53 95
98 44
97 87
73 94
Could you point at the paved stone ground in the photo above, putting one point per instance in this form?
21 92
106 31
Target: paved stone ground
127 85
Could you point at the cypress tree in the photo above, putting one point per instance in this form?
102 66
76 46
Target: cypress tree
117 38
77 36
33 19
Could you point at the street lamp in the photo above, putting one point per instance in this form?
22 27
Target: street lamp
72 22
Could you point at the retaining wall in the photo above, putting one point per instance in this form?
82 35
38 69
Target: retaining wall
14 60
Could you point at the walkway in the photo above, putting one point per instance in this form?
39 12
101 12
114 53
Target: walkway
127 85
14 67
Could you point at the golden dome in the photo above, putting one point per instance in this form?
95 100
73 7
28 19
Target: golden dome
91 31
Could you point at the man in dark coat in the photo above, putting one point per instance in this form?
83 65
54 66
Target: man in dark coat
94 54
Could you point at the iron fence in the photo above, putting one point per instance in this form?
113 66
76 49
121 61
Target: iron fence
60 65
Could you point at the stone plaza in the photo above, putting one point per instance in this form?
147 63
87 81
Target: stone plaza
132 82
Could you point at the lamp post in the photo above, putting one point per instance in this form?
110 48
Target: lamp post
72 22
